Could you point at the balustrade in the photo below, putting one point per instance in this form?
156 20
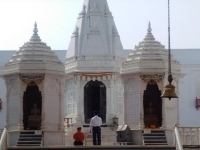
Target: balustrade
189 135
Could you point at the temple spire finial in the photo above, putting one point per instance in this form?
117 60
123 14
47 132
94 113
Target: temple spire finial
35 30
35 36
35 25
149 27
149 35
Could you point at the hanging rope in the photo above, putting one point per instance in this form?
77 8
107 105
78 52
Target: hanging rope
169 47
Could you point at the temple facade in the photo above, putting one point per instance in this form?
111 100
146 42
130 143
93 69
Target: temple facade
41 90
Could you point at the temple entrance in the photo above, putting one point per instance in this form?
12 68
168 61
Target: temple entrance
32 104
152 106
94 100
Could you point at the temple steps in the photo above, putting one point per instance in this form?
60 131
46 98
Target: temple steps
104 141
106 133
30 138
155 138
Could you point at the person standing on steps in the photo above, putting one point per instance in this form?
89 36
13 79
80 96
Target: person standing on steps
95 127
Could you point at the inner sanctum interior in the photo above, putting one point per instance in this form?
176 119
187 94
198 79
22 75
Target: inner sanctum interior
94 100
32 106
152 103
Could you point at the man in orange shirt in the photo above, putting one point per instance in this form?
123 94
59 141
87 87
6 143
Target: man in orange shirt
78 137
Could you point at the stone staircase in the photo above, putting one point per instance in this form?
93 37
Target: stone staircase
30 138
156 137
108 136
104 140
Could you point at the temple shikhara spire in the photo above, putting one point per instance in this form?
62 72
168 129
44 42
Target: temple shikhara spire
97 32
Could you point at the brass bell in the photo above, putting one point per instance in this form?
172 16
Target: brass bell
169 92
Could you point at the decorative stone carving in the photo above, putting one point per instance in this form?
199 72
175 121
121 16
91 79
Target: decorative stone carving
119 99
52 87
28 78
70 98
152 76
94 76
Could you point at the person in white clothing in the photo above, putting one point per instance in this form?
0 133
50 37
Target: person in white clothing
95 127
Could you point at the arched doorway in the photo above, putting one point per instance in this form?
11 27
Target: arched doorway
94 100
152 105
32 107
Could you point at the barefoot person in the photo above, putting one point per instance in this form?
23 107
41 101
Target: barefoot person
95 124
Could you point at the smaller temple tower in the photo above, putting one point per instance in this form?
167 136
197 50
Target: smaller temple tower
34 79
144 74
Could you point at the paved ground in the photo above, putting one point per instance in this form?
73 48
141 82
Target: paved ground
135 147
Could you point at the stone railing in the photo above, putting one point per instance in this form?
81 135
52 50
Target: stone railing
3 139
189 135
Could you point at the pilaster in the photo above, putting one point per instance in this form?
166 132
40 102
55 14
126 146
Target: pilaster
43 115
62 104
21 94
142 88
164 123
78 105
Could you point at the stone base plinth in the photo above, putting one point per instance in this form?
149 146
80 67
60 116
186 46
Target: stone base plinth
53 138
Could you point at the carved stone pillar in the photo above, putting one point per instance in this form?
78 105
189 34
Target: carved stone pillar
142 88
77 99
42 90
109 102
21 95
62 104
164 123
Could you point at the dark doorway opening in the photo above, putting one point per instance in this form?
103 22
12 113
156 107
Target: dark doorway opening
152 105
32 106
94 100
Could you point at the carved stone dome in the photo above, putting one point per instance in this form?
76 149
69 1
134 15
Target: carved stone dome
35 56
147 55
148 49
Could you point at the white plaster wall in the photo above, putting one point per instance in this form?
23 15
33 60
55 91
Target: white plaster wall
188 91
3 98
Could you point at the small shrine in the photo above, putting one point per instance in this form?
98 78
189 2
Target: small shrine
35 91
145 74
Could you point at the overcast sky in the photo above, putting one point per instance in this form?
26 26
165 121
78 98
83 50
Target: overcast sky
56 20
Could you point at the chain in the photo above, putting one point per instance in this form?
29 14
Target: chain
169 48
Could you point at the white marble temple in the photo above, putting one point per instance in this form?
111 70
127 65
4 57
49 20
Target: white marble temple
95 56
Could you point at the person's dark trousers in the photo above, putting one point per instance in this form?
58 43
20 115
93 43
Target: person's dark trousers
78 143
96 135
